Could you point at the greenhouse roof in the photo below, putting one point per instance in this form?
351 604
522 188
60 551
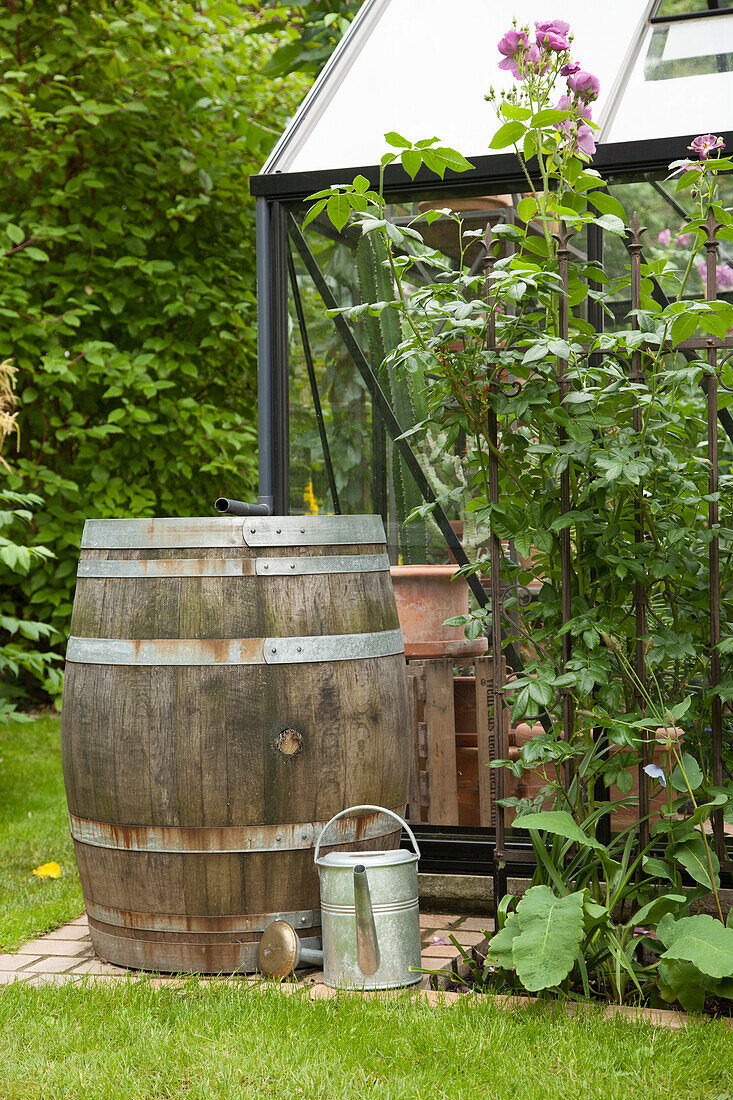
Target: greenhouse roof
423 67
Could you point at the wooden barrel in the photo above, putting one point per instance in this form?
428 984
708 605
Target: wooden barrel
230 685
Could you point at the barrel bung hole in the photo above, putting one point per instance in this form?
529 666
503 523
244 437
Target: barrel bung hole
289 742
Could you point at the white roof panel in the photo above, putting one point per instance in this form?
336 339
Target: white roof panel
679 84
423 67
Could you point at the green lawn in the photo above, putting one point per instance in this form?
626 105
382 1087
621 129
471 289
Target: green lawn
34 829
135 1042
132 1041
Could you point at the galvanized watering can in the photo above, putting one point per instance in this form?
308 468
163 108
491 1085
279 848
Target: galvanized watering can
369 913
369 916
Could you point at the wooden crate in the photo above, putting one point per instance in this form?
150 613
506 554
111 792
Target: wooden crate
454 741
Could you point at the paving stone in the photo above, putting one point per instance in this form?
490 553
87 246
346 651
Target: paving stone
96 966
69 932
44 946
7 976
55 964
435 962
44 979
446 920
464 937
478 924
17 962
429 920
83 919
439 951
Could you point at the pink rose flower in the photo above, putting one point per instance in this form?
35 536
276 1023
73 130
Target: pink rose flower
510 45
578 132
554 26
585 85
664 237
725 277
551 40
706 144
570 69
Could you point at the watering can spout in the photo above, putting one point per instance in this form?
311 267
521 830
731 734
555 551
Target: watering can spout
367 948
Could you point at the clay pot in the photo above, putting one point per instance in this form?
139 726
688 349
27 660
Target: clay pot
459 206
426 596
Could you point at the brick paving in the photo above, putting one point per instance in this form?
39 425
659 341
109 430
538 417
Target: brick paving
66 954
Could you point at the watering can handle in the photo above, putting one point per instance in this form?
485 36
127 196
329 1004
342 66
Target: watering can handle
351 810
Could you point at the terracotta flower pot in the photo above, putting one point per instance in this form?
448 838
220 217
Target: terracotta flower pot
426 596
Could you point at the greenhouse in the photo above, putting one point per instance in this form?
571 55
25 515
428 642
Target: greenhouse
341 434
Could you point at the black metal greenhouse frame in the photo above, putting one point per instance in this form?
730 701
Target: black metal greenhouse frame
456 849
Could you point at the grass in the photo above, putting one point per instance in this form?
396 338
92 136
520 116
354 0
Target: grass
34 829
133 1041
136 1042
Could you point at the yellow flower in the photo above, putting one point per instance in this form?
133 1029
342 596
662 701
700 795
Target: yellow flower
309 497
48 870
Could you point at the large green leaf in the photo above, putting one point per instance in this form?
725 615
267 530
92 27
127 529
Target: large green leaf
701 940
693 856
683 982
654 910
551 931
499 950
558 822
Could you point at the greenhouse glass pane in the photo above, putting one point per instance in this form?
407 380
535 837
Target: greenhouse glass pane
689 7
335 385
409 68
682 82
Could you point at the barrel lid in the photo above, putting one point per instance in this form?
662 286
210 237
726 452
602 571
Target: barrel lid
367 859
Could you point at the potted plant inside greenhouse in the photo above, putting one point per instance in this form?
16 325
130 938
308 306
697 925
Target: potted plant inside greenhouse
596 451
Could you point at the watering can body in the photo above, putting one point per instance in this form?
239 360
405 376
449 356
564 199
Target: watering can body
369 915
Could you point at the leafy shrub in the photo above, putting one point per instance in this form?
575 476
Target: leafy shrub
128 272
17 559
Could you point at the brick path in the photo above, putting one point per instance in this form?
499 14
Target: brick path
67 954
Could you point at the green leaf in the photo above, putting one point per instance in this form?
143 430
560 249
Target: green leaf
314 211
612 223
511 110
657 868
499 949
692 770
397 141
549 116
411 162
683 327
529 145
692 855
685 983
526 208
338 209
654 910
701 940
454 160
607 204
15 233
558 822
508 134
540 692
551 931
